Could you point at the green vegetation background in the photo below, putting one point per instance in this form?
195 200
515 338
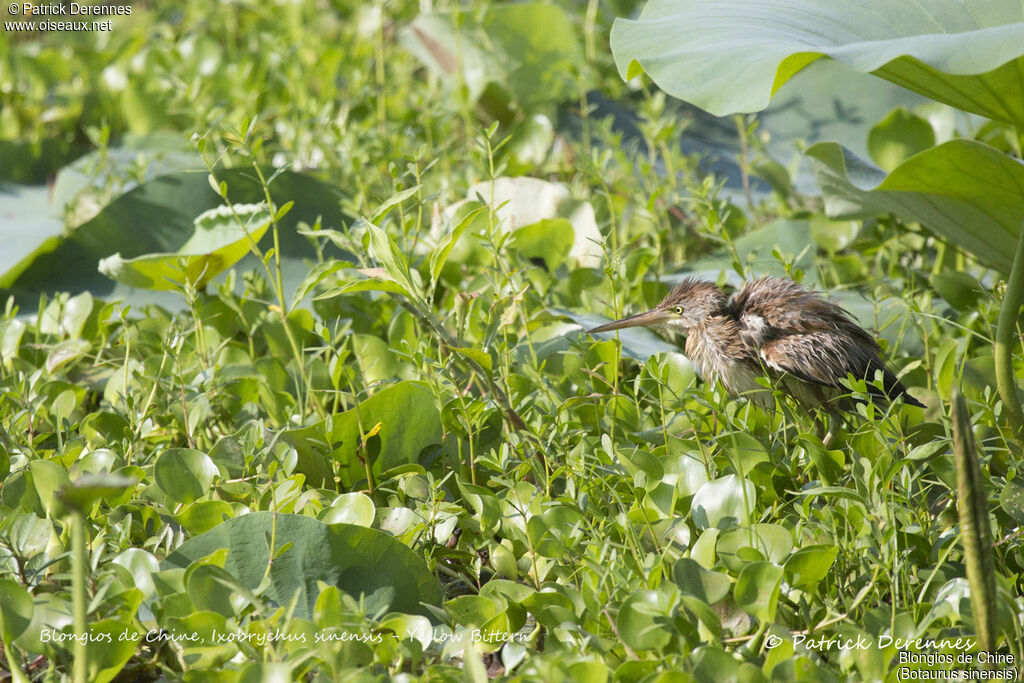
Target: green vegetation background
385 420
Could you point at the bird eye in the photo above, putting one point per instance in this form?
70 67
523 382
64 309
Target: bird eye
679 310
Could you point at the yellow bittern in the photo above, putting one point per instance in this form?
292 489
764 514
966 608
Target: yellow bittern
772 327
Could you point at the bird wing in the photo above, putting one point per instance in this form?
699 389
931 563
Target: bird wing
819 357
825 359
774 307
799 332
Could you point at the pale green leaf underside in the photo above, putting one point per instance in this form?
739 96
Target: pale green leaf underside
729 56
965 191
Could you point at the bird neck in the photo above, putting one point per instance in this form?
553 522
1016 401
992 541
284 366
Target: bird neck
713 345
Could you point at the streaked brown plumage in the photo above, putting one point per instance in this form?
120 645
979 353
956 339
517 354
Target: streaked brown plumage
775 327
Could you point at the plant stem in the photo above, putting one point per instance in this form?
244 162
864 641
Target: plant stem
743 131
589 29
496 393
78 604
1005 328
975 532
277 282
382 115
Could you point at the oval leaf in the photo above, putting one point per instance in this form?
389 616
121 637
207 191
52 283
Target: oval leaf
723 503
184 474
357 560
350 508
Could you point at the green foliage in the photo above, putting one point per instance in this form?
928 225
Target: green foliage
967 192
216 245
927 49
505 56
733 56
151 226
401 419
898 137
379 444
974 526
360 561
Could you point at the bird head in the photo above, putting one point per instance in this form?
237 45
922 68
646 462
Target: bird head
690 303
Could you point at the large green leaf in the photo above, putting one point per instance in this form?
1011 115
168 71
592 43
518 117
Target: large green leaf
358 560
519 203
218 243
965 191
409 422
729 56
28 219
82 188
529 48
158 216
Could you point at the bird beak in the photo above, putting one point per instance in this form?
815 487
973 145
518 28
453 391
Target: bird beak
645 319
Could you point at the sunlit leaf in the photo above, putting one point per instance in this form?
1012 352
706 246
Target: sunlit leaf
731 56
969 193
218 242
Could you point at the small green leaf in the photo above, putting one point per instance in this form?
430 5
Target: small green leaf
472 610
376 280
759 541
62 406
479 357
349 508
65 353
92 487
65 317
142 565
724 503
50 480
809 565
960 290
377 361
283 210
694 580
320 272
108 651
391 258
209 588
549 240
439 256
201 516
1011 500
219 188
643 620
15 609
393 201
757 590
10 340
184 474
898 137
